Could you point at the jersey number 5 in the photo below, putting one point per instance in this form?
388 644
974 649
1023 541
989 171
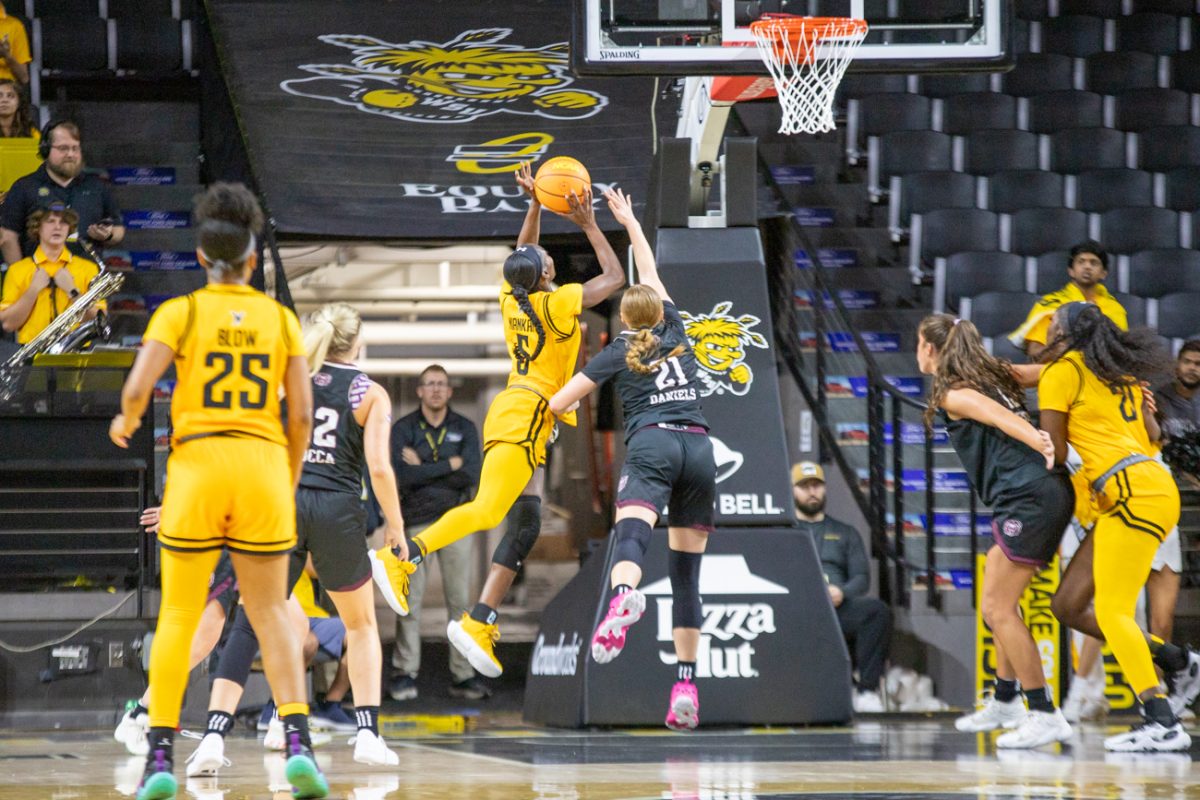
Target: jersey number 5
255 397
522 347
670 373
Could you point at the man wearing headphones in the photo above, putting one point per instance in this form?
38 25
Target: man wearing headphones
60 179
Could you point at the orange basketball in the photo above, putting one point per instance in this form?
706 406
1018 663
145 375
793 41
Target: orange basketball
556 179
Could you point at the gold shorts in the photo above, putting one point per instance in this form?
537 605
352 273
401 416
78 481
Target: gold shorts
226 491
521 417
1144 497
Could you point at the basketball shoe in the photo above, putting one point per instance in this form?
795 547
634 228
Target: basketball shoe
994 714
391 576
373 750
275 740
1150 736
158 781
609 638
476 640
302 771
684 712
208 757
1037 729
131 731
1184 684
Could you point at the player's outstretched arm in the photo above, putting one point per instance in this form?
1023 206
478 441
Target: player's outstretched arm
1026 375
566 399
377 433
611 276
971 404
621 207
531 228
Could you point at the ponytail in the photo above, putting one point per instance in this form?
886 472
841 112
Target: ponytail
523 271
963 362
642 343
331 330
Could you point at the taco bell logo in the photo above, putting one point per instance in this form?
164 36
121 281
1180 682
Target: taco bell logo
729 629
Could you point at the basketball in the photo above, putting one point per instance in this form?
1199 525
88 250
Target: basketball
556 179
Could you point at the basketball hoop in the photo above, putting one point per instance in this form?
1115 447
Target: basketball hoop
807 57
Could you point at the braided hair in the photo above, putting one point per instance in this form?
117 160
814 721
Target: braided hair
642 308
523 271
1118 358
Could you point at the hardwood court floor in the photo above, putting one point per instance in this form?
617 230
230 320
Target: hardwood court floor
894 759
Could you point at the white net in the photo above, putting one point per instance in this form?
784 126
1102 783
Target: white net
807 58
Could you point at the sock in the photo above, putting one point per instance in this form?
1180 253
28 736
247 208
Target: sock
621 589
368 718
416 551
484 613
1157 709
1004 691
140 710
296 723
1171 657
163 740
1039 700
687 670
219 723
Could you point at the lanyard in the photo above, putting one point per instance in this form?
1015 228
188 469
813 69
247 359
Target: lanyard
433 445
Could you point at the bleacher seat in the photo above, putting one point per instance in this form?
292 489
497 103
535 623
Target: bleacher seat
1035 73
904 152
964 113
74 45
1056 111
1022 33
1073 35
1128 230
876 114
1183 191
1077 149
1040 230
121 9
955 83
1109 73
1163 149
1103 189
997 314
1179 8
862 85
921 192
990 151
1032 9
951 230
1013 190
1050 270
1139 109
1097 8
1185 71
1136 308
1177 317
1149 32
967 274
149 44
62 8
1153 273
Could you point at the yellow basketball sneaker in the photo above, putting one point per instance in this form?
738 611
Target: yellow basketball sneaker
475 640
391 576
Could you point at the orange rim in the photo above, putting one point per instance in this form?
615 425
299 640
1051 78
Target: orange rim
796 29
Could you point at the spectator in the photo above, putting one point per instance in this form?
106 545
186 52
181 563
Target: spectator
16 118
14 48
1178 405
1086 270
39 288
435 453
60 180
866 621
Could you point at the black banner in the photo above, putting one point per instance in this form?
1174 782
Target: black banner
771 651
718 280
391 120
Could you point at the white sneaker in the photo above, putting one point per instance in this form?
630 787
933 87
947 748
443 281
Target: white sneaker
371 749
867 703
1150 736
131 731
1185 685
275 740
993 715
208 757
1037 729
1085 703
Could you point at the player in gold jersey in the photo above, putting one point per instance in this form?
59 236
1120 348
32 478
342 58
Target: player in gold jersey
541 330
1091 397
232 473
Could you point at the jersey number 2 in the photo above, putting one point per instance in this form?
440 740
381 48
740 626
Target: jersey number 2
225 364
670 374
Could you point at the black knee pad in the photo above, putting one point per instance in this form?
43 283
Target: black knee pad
524 525
633 536
684 569
238 653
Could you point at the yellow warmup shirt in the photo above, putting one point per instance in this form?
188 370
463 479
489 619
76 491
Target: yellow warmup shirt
232 345
18 44
1037 323
559 312
52 300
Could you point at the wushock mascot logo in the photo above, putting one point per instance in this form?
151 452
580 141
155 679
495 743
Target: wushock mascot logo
471 76
719 341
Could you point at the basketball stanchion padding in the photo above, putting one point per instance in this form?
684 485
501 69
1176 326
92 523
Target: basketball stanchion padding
557 179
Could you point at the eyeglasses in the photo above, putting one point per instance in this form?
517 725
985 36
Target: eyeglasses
435 385
67 148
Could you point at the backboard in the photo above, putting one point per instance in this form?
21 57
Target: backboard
712 37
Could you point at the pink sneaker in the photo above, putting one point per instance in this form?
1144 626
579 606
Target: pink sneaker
624 610
684 713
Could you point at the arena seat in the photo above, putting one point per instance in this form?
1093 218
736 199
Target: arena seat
72 45
1073 35
955 83
1076 150
1140 109
1154 273
1013 190
1183 190
922 192
1177 317
1162 149
1050 270
1032 9
122 9
62 8
151 44
1128 230
904 152
1035 73
1056 111
1149 32
1136 308
951 230
1097 8
972 273
996 314
991 151
1040 230
965 113
1109 73
1185 71
1102 189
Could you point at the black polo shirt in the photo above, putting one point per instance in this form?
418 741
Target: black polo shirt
86 194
